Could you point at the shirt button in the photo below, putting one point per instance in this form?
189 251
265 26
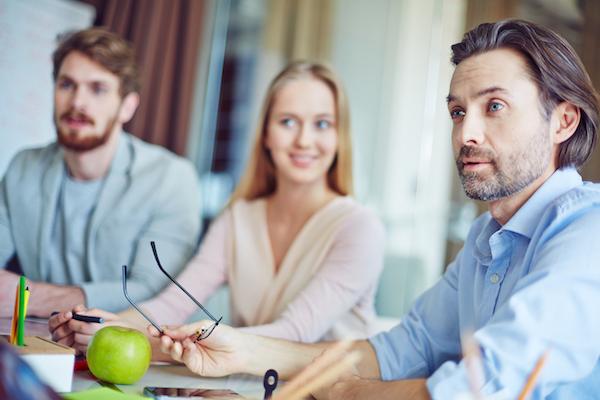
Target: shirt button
495 278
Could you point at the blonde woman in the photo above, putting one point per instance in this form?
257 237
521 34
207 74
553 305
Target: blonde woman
301 257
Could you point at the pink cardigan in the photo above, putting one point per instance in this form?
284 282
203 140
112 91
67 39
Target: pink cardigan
325 285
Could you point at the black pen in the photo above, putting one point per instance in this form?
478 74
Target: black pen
84 318
88 318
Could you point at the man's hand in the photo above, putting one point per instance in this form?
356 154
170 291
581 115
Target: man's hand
77 334
227 351
218 355
8 283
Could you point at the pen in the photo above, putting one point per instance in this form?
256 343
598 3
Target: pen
84 318
88 318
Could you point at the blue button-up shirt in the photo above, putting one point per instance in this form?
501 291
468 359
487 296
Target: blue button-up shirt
522 288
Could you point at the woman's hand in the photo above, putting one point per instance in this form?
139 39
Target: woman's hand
220 354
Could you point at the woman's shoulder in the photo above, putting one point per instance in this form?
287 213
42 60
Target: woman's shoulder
358 215
245 205
245 212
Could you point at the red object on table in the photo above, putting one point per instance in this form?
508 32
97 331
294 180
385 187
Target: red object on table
80 364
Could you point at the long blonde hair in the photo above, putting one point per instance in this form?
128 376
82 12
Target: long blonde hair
259 177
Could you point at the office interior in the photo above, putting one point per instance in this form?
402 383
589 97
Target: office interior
205 65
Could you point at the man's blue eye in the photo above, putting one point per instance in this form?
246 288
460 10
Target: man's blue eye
65 84
457 114
98 89
495 106
323 124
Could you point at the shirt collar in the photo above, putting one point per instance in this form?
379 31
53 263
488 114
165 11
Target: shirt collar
526 218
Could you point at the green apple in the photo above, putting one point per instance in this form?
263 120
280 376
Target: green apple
119 355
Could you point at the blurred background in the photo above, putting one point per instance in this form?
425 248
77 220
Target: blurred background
205 65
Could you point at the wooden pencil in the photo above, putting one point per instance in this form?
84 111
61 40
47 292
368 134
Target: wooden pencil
532 378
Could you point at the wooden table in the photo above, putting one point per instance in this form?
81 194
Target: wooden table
167 375
159 374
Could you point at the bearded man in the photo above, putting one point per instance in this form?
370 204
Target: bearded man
526 285
73 212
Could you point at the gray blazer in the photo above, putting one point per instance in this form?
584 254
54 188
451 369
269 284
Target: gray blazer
149 194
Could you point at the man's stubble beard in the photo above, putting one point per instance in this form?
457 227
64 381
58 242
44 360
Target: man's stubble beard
70 139
509 176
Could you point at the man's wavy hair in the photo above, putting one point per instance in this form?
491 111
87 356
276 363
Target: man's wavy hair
107 49
554 67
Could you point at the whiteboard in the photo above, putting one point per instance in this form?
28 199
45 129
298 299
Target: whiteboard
27 39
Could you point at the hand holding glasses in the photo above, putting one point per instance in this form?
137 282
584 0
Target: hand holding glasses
200 335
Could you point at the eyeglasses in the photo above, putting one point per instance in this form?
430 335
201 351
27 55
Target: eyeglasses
201 334
124 279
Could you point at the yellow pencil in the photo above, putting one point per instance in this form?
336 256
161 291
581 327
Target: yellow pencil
27 292
530 383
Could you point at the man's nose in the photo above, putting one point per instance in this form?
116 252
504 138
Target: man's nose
79 99
472 129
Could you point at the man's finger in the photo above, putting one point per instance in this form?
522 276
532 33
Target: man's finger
58 319
82 340
80 349
67 340
61 332
88 328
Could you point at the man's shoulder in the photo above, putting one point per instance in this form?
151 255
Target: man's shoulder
151 152
33 159
149 157
577 210
577 200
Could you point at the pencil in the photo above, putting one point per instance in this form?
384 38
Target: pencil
21 323
530 383
473 365
328 367
15 318
27 294
324 377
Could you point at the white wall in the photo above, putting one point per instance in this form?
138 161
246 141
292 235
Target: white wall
393 56
27 39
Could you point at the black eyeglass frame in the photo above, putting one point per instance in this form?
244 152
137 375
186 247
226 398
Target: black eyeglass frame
200 335
124 278
204 332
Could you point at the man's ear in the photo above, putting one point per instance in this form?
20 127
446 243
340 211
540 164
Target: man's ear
567 117
128 106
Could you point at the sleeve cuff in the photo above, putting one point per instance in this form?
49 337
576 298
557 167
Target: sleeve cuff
448 381
378 342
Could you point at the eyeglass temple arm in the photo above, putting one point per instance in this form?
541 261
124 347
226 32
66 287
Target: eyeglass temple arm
124 277
179 286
